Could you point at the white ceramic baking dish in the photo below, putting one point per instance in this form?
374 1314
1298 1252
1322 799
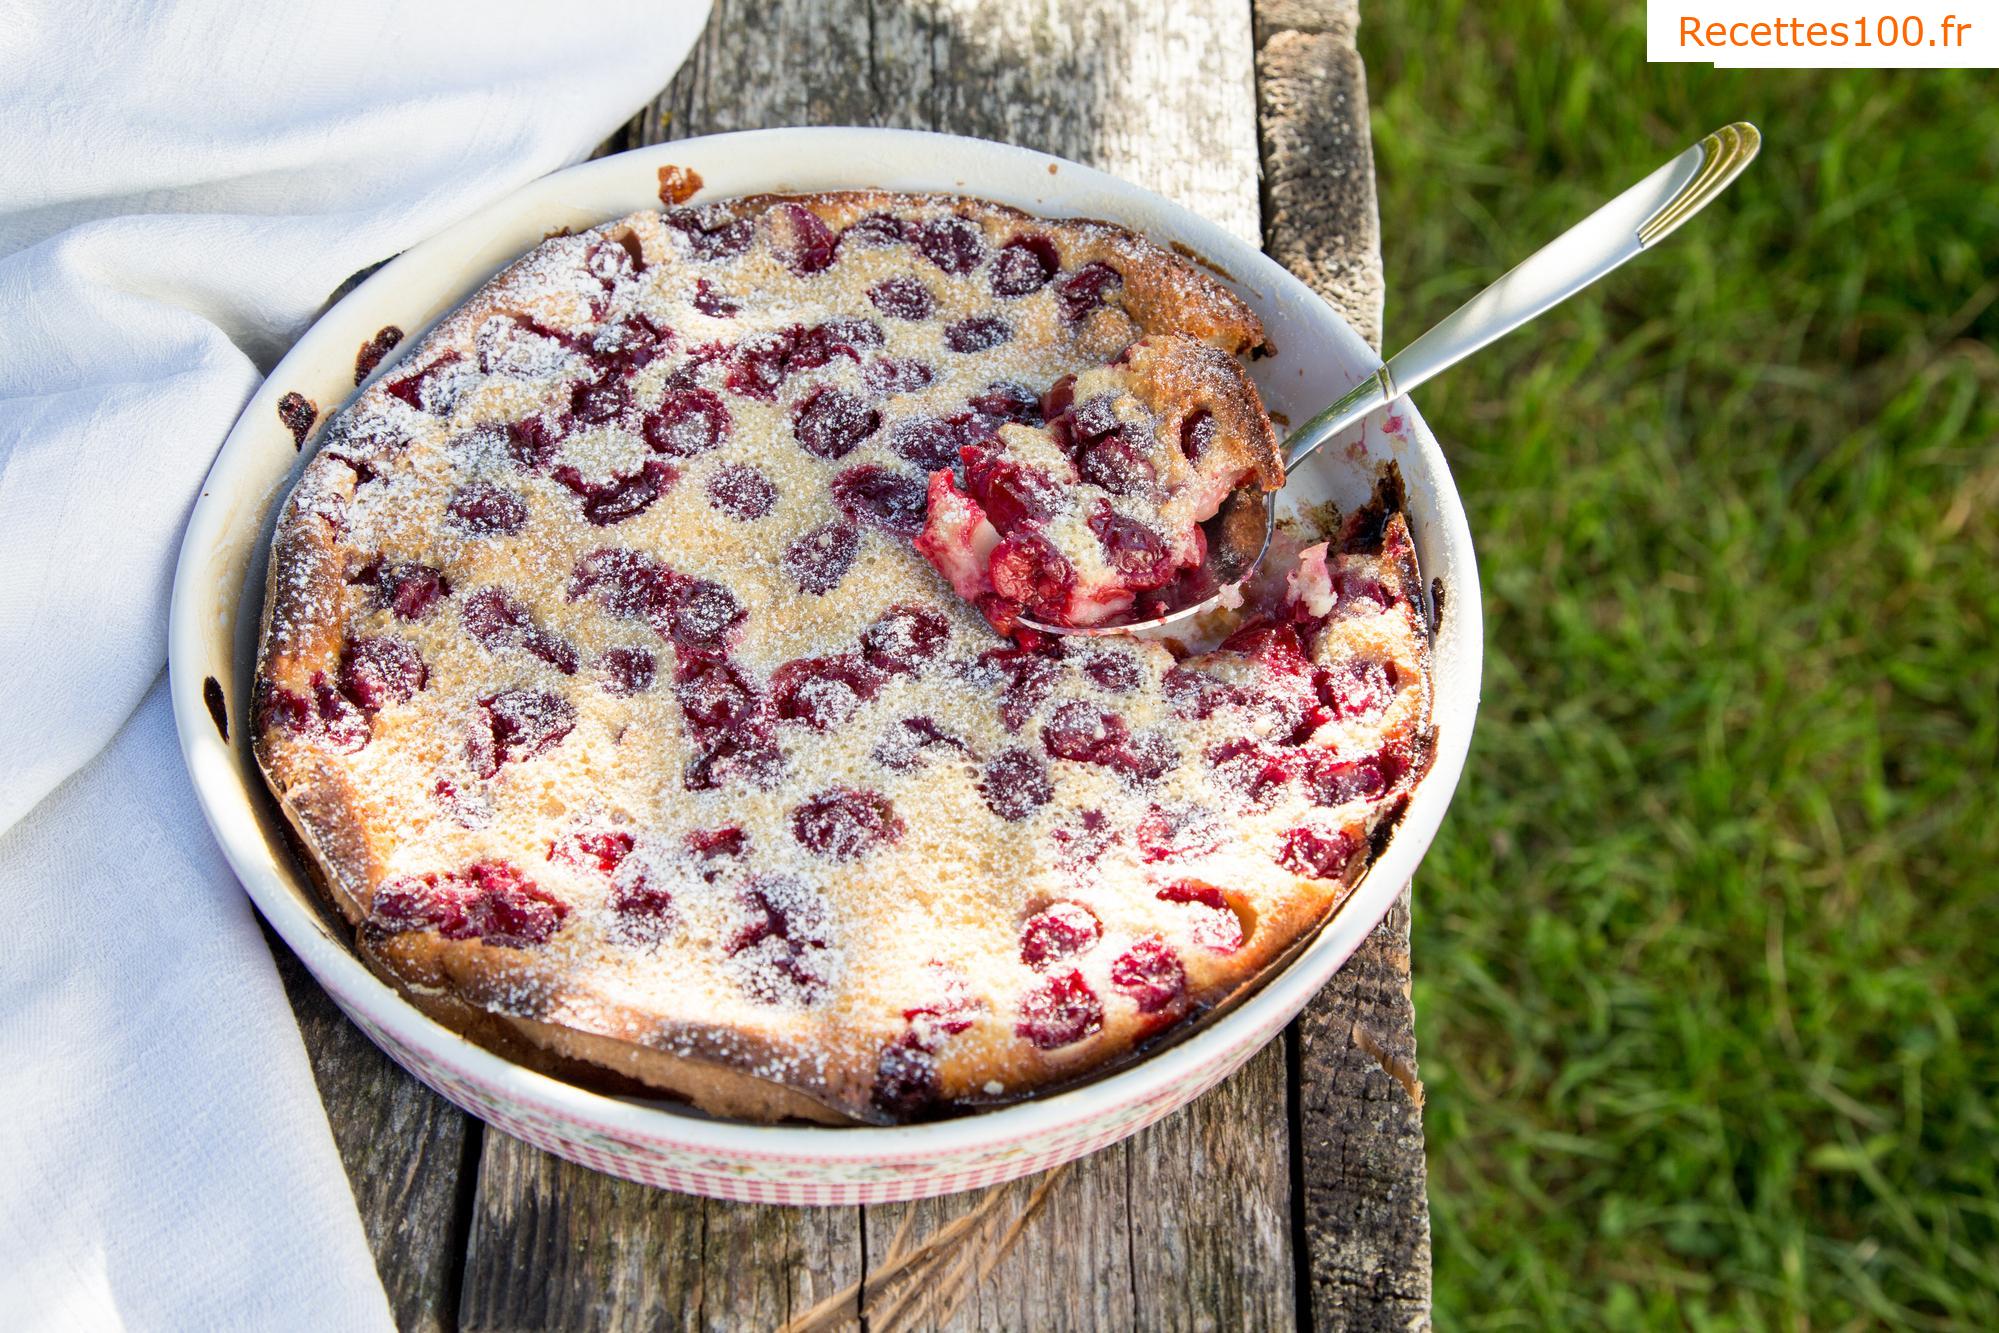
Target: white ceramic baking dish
218 592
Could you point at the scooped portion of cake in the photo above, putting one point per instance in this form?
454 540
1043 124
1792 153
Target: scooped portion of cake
1095 516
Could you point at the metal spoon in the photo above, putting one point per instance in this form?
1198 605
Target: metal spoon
1635 221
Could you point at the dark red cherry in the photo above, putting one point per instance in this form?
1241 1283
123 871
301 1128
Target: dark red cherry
903 746
871 494
902 298
1058 931
1112 671
432 388
1025 264
1057 400
1084 733
1358 690
714 696
741 492
596 402
711 301
711 844
629 585
612 260
407 589
1136 552
712 232
1151 974
903 638
906 1081
1016 784
687 422
629 346
980 333
954 244
1025 678
892 375
931 442
1007 400
843 823
1195 694
1176 833
1216 925
1247 770
624 495
1059 1011
875 231
602 850
1197 434
1319 853
830 423
375 673
627 671
516 725
497 620
1084 290
818 561
487 511
822 692
813 243
701 614
1010 493
1027 568
533 444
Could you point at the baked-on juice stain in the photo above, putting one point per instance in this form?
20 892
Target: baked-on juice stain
677 185
385 341
298 412
211 694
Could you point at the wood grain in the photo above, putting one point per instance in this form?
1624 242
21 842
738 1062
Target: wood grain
1359 1138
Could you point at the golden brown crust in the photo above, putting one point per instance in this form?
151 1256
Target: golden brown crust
366 821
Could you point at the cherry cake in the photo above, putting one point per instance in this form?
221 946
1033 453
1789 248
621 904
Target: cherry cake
646 666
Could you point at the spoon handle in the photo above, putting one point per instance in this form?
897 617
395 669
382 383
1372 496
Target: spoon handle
1636 220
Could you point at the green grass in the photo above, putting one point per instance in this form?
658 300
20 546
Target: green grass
1708 950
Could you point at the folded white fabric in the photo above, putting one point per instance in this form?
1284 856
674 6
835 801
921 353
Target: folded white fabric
181 188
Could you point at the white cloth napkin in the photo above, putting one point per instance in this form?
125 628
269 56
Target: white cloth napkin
182 185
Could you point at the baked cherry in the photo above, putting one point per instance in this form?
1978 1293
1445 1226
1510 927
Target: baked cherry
903 638
902 298
831 423
432 388
871 494
614 259
629 346
712 232
597 402
1358 690
533 444
954 244
782 941
375 673
1016 784
1026 677
906 1081
1059 1011
1319 853
1058 931
406 588
714 696
1010 493
701 614
1084 290
892 375
1117 464
875 231
741 492
979 333
1195 694
602 850
1249 771
1025 264
1027 568
1197 434
1136 552
813 243
1177 833
716 843
1151 974
929 442
843 823
1083 732
627 671
822 692
497 620
485 510
1216 925
625 495
1113 671
1007 400
818 561
713 302
687 422
902 747
516 725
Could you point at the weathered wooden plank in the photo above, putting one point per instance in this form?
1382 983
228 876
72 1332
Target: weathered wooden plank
405 1150
1359 1142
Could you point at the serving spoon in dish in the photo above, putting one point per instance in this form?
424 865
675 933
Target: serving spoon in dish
1239 534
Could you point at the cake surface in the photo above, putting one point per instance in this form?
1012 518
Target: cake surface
619 711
